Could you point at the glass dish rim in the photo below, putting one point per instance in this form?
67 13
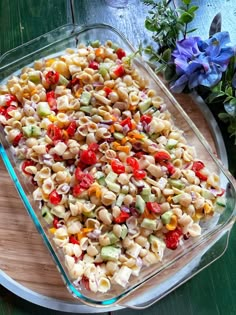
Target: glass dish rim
77 30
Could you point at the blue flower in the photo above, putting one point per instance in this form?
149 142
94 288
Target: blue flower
200 62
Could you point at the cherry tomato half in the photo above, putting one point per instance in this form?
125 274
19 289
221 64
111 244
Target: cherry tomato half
139 174
146 118
10 98
52 77
107 90
131 161
119 71
120 53
51 99
162 156
153 207
197 166
117 166
54 197
71 129
25 164
123 216
17 138
88 157
54 132
87 181
93 65
172 238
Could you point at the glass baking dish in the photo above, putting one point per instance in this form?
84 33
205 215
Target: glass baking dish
157 280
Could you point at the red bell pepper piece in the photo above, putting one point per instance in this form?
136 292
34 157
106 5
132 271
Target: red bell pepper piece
119 71
123 216
117 166
120 53
146 118
153 207
52 77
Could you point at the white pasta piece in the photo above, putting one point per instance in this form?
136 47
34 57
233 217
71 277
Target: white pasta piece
37 194
39 149
155 170
62 103
150 259
194 230
122 276
59 148
102 99
74 227
61 237
133 250
48 185
59 211
104 285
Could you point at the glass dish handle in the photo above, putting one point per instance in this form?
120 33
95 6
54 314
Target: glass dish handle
164 283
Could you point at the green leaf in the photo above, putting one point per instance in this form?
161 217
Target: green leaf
166 55
187 2
224 117
233 102
229 91
169 73
190 31
192 9
186 17
150 26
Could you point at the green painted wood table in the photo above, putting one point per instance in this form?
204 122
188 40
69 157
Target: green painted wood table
211 292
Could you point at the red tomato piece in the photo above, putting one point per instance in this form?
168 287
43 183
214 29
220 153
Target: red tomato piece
51 99
153 207
8 110
119 71
172 238
146 118
17 138
107 90
71 129
123 216
25 164
133 162
93 65
120 53
197 166
73 240
77 190
54 197
52 77
201 176
85 283
139 174
139 154
88 157
3 111
55 222
9 98
162 156
127 121
78 174
54 132
87 181
170 168
117 166
93 147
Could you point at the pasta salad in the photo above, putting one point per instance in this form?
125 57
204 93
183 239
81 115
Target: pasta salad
116 181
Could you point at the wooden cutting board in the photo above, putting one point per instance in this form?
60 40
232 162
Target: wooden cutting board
24 257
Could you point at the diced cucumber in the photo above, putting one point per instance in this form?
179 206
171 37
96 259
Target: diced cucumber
146 191
118 135
140 204
171 143
106 65
176 198
144 105
120 199
176 183
207 194
99 174
46 214
150 198
95 43
124 231
101 181
86 109
111 177
113 186
63 80
166 217
110 253
43 109
221 201
112 237
31 131
149 224
85 98
103 71
152 238
34 76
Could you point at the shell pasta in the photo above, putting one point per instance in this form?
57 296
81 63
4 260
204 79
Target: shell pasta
116 181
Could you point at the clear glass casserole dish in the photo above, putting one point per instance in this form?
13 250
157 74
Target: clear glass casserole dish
158 279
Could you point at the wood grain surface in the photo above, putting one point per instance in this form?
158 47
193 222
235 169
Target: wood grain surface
23 254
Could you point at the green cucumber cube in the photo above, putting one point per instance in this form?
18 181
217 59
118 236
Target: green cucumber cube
110 253
140 204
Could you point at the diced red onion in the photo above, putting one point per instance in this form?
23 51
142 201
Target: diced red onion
125 209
